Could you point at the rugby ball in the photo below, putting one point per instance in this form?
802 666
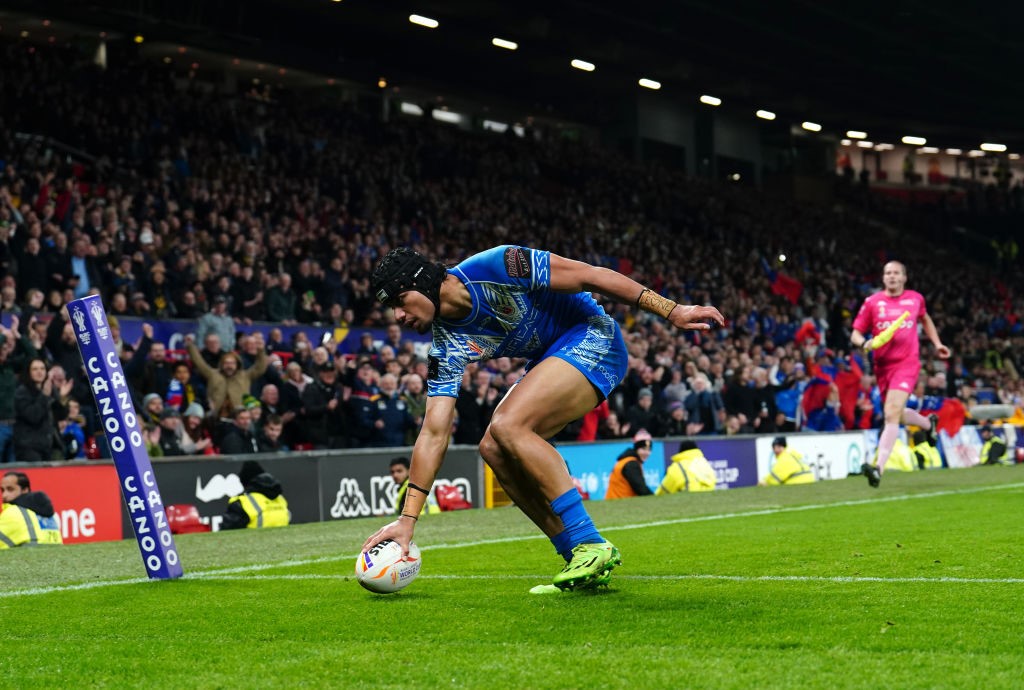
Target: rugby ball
383 570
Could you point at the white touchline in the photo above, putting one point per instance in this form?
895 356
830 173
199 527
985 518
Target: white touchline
838 579
256 567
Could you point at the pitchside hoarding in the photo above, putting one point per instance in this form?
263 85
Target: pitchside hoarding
830 456
124 436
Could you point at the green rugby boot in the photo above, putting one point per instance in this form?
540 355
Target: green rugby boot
591 566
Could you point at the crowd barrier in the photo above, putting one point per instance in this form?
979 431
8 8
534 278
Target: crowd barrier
320 486
335 485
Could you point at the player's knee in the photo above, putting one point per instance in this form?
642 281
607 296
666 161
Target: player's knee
490 450
504 432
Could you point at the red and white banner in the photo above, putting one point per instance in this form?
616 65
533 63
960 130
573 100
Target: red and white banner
86 500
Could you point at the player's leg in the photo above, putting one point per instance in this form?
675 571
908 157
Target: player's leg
895 404
550 396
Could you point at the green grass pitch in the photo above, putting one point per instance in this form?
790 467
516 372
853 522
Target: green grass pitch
918 584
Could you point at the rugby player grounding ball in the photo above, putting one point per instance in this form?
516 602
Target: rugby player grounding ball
383 570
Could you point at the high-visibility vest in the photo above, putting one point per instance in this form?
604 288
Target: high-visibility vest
789 468
22 526
430 506
901 459
689 471
618 486
929 454
263 511
986 452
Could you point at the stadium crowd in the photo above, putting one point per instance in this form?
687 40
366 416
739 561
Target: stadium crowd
230 209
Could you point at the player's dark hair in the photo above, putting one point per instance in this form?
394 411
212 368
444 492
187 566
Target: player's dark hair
22 478
404 462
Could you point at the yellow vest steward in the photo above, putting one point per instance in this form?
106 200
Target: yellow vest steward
902 459
21 526
430 505
789 468
262 511
930 453
689 471
986 452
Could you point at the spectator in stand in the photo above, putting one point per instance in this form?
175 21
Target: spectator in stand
212 350
195 437
218 321
415 397
268 440
170 432
627 477
705 412
149 371
34 426
474 406
393 417
362 404
323 421
282 301
152 408
229 382
237 437
15 351
643 415
674 421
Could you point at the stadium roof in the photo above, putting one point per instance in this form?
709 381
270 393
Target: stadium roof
931 68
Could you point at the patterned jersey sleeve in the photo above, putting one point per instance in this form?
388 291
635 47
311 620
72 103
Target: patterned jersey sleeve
512 265
444 372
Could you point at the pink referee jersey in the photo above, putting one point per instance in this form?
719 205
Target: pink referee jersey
878 312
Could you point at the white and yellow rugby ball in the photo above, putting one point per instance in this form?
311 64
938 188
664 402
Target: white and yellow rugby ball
383 570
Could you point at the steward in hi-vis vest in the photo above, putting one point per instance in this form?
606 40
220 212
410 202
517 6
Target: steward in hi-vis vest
689 471
262 505
788 466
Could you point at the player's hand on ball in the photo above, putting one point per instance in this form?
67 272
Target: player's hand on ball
695 318
400 531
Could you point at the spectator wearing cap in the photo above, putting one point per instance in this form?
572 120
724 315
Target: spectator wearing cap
152 406
673 422
689 471
195 437
323 422
994 450
788 466
255 408
170 432
218 321
643 414
627 477
138 306
229 383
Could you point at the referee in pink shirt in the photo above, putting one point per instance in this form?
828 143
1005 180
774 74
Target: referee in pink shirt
897 362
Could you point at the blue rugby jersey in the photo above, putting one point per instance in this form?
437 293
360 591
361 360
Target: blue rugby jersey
514 314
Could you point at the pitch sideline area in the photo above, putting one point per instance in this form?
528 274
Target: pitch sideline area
917 584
